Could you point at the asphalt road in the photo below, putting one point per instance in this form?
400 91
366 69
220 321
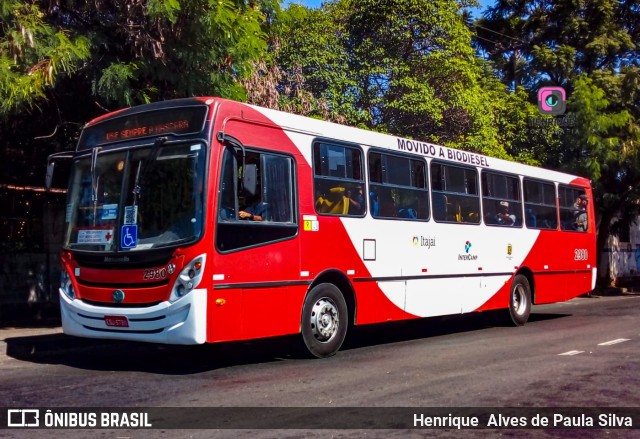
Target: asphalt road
583 353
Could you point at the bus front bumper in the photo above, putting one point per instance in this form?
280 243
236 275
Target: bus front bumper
181 322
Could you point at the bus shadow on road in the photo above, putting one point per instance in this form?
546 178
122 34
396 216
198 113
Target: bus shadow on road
113 355
426 328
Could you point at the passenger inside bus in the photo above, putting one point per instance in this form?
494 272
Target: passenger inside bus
440 207
407 206
334 201
375 203
356 200
407 212
531 219
503 216
256 211
581 213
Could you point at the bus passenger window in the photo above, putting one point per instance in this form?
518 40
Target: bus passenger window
540 203
338 180
455 193
501 199
573 208
400 186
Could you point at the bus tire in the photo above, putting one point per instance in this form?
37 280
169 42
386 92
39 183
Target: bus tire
519 301
324 320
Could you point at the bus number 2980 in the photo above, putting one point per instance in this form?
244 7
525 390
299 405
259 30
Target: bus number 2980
580 254
154 273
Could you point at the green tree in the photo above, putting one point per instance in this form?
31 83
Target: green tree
308 70
65 62
161 49
405 67
605 145
522 130
33 55
417 72
550 40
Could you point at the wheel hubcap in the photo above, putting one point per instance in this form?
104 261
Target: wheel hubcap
324 319
519 300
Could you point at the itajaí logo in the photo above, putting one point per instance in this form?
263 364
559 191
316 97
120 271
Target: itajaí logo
424 241
467 256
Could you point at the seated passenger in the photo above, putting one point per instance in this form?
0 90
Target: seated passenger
440 207
503 217
531 219
407 212
375 203
356 201
581 220
254 212
336 202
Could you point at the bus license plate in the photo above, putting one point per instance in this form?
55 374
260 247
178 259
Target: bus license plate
118 321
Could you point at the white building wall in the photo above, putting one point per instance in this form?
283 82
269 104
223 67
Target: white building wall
622 258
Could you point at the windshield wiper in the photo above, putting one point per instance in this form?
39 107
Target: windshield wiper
94 181
143 166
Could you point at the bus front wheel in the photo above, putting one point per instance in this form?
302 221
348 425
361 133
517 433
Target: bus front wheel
519 300
324 320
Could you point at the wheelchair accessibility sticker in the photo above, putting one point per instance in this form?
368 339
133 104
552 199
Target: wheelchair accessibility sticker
129 236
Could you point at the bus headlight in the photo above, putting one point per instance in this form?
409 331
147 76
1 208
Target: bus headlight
188 279
66 285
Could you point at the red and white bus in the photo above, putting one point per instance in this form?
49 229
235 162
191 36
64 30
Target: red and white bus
207 220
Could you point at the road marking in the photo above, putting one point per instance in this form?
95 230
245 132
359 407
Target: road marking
612 342
572 353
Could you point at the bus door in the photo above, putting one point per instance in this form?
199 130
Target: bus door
257 262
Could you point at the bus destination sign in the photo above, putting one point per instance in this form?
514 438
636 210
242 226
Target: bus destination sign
177 127
180 120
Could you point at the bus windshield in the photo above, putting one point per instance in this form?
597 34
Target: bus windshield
136 199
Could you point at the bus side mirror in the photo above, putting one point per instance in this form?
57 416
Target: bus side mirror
51 163
49 175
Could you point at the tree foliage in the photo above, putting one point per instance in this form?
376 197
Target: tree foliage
308 71
128 51
33 55
63 62
161 49
405 67
547 40
590 47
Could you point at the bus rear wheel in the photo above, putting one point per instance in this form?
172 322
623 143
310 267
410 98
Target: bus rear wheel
519 301
324 320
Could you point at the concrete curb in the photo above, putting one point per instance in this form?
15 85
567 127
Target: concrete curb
611 291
